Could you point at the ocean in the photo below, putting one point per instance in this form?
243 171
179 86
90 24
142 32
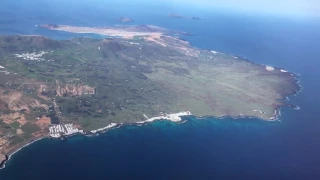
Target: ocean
208 148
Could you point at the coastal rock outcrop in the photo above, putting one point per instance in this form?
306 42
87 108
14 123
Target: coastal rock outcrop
3 159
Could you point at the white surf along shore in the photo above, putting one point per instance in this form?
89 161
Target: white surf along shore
60 130
269 68
11 154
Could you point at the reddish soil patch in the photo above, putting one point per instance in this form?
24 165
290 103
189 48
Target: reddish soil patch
44 122
38 134
22 121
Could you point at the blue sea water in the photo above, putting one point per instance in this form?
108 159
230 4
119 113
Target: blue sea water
199 148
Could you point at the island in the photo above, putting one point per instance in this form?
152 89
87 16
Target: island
195 18
176 16
136 74
125 19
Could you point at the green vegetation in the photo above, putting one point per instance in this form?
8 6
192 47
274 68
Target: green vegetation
29 128
4 126
15 140
15 125
93 82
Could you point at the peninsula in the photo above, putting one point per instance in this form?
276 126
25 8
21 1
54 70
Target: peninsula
137 74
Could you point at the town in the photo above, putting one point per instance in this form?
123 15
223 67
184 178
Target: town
32 56
66 129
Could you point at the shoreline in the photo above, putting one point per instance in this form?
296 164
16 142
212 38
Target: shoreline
169 117
174 118
166 117
14 151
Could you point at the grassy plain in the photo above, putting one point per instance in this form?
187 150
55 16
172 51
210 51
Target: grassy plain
94 82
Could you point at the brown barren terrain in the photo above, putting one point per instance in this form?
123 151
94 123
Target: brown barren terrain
145 71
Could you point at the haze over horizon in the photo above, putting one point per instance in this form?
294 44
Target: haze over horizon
284 8
296 8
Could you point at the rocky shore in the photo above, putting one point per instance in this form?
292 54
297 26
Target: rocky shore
3 159
217 86
174 117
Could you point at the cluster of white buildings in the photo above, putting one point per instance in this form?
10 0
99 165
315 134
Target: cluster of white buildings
261 112
176 117
133 43
32 56
66 129
6 72
214 52
270 68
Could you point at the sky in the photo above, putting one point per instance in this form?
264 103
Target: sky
290 8
275 7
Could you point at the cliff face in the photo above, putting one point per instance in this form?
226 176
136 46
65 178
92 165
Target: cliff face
2 142
73 90
61 89
3 159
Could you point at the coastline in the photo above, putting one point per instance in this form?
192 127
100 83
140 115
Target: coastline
150 120
176 118
173 117
15 150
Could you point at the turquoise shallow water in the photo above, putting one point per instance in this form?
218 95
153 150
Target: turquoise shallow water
197 149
